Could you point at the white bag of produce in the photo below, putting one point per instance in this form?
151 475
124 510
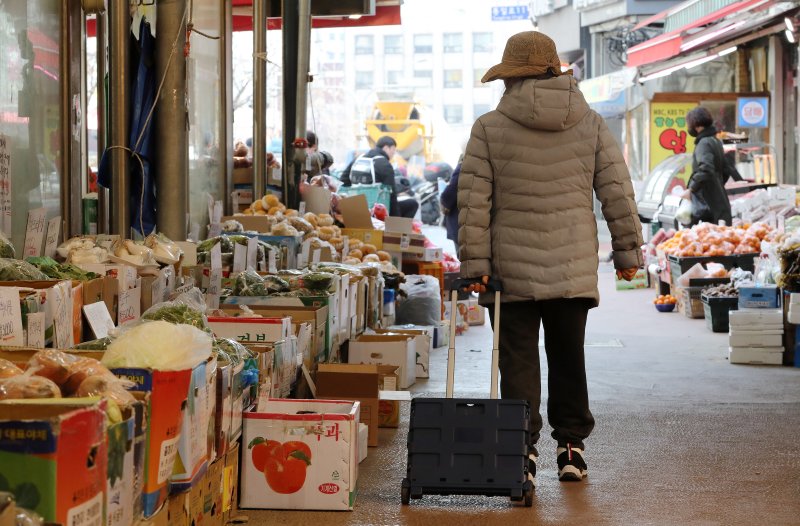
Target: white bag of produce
159 345
684 213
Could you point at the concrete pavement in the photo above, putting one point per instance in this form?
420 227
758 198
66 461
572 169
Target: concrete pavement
682 436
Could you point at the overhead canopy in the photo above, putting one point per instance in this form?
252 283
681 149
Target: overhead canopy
731 20
387 13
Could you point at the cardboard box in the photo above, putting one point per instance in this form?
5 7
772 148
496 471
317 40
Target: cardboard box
423 344
230 484
368 236
400 237
160 518
363 442
428 254
328 434
121 473
53 457
223 413
251 330
40 297
359 382
198 417
753 356
243 175
397 350
213 494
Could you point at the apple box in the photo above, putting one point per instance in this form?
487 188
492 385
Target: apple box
300 455
53 458
251 330
399 350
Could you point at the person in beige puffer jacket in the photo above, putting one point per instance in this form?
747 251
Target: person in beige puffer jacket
525 195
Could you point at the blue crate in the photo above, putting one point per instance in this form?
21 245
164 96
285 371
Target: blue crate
764 297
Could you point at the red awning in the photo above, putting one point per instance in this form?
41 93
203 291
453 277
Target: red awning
668 45
384 16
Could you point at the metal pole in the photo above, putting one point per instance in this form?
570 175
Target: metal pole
259 97
171 163
66 119
303 59
119 22
226 103
102 193
291 22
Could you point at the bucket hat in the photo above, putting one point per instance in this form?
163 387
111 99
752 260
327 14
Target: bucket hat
527 54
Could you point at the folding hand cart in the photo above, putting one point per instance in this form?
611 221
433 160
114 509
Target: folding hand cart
462 446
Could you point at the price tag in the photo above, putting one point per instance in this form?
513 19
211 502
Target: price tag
252 252
302 208
235 200
306 251
130 305
405 242
273 266
214 288
62 314
99 318
53 229
158 293
35 231
216 256
346 247
316 255
11 318
239 257
35 330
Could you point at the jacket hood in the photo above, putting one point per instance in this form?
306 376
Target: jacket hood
711 131
377 152
554 104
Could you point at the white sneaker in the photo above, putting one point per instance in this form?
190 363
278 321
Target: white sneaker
571 465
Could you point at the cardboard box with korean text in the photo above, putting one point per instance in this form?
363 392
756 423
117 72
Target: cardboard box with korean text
213 494
397 350
94 291
195 438
400 236
389 398
251 330
424 344
121 482
358 221
429 254
316 317
230 484
223 413
55 300
160 518
352 382
53 458
300 455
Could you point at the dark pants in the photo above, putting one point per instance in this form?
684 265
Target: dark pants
564 323
407 208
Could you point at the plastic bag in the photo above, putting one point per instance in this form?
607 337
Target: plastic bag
109 387
422 304
52 364
716 270
188 308
82 369
27 386
230 351
8 369
696 272
17 270
684 213
6 248
159 345
250 283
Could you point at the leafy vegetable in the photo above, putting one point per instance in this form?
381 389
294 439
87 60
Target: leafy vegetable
16 270
318 280
178 314
6 248
95 345
55 270
230 351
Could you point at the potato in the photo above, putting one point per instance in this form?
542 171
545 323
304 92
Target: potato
257 205
369 249
356 244
311 218
106 387
272 200
8 369
291 213
28 387
351 261
325 220
52 364
372 258
384 256
275 210
356 254
80 371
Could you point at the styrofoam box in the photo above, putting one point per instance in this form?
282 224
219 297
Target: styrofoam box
794 313
363 435
749 317
749 355
756 339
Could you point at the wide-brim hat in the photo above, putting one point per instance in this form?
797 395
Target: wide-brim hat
527 54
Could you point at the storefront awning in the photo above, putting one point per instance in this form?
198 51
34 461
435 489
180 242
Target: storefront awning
606 94
671 44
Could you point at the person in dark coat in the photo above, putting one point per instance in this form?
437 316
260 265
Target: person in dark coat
709 171
383 152
449 199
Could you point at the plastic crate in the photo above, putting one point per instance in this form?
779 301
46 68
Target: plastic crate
690 304
716 310
467 447
375 193
678 265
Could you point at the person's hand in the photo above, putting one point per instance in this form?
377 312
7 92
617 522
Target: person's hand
627 274
478 287
687 194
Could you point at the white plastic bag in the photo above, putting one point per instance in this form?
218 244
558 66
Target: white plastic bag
159 345
696 272
684 213
423 302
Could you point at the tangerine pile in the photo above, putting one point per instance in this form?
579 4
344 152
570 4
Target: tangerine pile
706 239
666 299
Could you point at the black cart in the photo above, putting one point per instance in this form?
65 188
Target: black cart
461 446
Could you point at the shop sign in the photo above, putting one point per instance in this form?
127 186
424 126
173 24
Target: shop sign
668 132
752 112
511 12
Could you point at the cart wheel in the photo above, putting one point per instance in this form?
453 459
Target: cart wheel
528 498
405 495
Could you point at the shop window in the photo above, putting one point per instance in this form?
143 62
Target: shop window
424 77
423 43
454 113
453 78
480 109
393 44
364 79
394 78
364 45
453 43
477 75
482 43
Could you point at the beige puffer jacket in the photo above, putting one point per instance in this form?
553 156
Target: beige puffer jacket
525 195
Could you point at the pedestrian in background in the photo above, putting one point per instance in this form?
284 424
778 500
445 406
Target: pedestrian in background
525 199
449 200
